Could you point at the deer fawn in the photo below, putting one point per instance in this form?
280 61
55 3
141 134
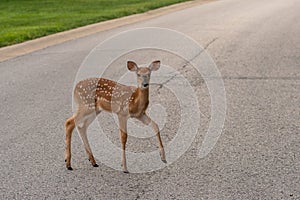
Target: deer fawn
94 95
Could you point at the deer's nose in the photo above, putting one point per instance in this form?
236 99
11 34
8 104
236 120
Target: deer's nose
145 84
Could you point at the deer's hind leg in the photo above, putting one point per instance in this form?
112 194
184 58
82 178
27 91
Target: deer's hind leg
83 119
69 126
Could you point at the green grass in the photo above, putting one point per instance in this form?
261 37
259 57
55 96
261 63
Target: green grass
22 20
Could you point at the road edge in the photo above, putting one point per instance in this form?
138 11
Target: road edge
30 46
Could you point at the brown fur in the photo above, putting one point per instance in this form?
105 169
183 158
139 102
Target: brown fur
94 95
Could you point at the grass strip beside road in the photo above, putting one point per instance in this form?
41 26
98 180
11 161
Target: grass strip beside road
22 20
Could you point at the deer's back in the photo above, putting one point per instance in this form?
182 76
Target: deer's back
103 94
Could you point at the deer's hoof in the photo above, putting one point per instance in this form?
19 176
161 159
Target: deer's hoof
164 161
70 168
126 171
95 165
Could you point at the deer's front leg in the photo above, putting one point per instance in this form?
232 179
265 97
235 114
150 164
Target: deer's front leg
123 138
148 121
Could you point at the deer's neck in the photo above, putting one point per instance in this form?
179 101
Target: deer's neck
140 103
142 95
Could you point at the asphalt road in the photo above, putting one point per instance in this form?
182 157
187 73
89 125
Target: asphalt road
256 47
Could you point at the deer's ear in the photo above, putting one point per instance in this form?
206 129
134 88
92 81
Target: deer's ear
132 66
154 65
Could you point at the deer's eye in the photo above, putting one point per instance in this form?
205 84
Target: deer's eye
139 75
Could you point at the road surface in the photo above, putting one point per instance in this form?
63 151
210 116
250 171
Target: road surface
256 47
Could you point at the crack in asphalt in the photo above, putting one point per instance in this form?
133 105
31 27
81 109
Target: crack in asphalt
160 85
259 78
253 78
184 65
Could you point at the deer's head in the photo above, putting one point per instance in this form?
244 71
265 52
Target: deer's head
143 73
